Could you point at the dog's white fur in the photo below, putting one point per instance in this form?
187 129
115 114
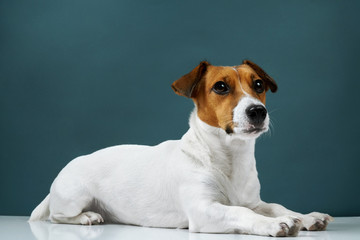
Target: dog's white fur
207 182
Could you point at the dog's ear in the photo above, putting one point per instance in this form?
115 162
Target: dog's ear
263 75
185 85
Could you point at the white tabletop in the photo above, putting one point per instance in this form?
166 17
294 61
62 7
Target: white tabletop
11 227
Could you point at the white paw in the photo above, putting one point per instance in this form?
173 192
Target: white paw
89 218
316 221
285 226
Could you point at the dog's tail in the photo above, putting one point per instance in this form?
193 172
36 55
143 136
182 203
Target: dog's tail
41 212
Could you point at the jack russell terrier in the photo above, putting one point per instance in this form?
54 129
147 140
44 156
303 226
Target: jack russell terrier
206 182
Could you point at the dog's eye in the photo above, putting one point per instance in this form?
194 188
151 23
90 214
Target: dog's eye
259 86
221 88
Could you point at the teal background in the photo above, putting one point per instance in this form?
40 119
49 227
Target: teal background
78 76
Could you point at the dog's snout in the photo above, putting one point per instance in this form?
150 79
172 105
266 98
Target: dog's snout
256 114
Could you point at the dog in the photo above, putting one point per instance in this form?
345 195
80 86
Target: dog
206 181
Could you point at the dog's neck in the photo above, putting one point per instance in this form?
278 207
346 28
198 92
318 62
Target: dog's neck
214 148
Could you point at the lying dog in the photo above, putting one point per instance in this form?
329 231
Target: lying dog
207 181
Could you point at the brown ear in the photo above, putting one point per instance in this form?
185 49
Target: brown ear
263 75
185 85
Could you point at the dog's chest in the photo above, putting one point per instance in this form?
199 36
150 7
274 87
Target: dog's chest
244 189
246 185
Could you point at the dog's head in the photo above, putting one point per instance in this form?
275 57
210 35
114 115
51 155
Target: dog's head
230 98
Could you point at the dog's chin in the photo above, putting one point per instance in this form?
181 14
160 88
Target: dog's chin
250 132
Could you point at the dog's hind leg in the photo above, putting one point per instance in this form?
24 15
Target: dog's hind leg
70 201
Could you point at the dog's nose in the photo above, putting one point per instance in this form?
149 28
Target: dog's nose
256 114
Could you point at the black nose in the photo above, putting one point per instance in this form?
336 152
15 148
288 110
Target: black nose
256 114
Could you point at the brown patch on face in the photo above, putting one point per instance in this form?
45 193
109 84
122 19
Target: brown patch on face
213 108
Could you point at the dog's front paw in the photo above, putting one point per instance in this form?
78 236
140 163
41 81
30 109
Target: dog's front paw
316 221
286 227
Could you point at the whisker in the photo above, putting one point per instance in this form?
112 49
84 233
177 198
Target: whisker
271 127
274 110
